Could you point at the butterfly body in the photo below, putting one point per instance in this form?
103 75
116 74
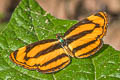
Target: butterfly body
81 40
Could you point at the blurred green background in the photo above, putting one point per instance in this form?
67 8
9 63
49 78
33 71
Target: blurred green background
73 10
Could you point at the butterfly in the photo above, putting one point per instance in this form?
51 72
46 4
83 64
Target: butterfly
80 41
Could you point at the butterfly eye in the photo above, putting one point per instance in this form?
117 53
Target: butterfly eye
58 36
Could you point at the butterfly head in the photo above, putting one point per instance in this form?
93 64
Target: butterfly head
59 37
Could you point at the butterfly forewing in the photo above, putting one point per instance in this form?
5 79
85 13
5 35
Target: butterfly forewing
45 56
82 36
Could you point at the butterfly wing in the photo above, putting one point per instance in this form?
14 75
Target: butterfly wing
86 47
85 38
46 56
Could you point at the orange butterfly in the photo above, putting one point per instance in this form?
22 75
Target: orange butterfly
81 40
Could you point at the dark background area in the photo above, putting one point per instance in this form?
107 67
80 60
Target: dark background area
74 10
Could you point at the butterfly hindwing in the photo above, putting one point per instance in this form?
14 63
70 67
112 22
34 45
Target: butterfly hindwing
45 56
86 33
87 47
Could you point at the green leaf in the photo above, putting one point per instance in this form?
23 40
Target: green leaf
30 23
3 26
